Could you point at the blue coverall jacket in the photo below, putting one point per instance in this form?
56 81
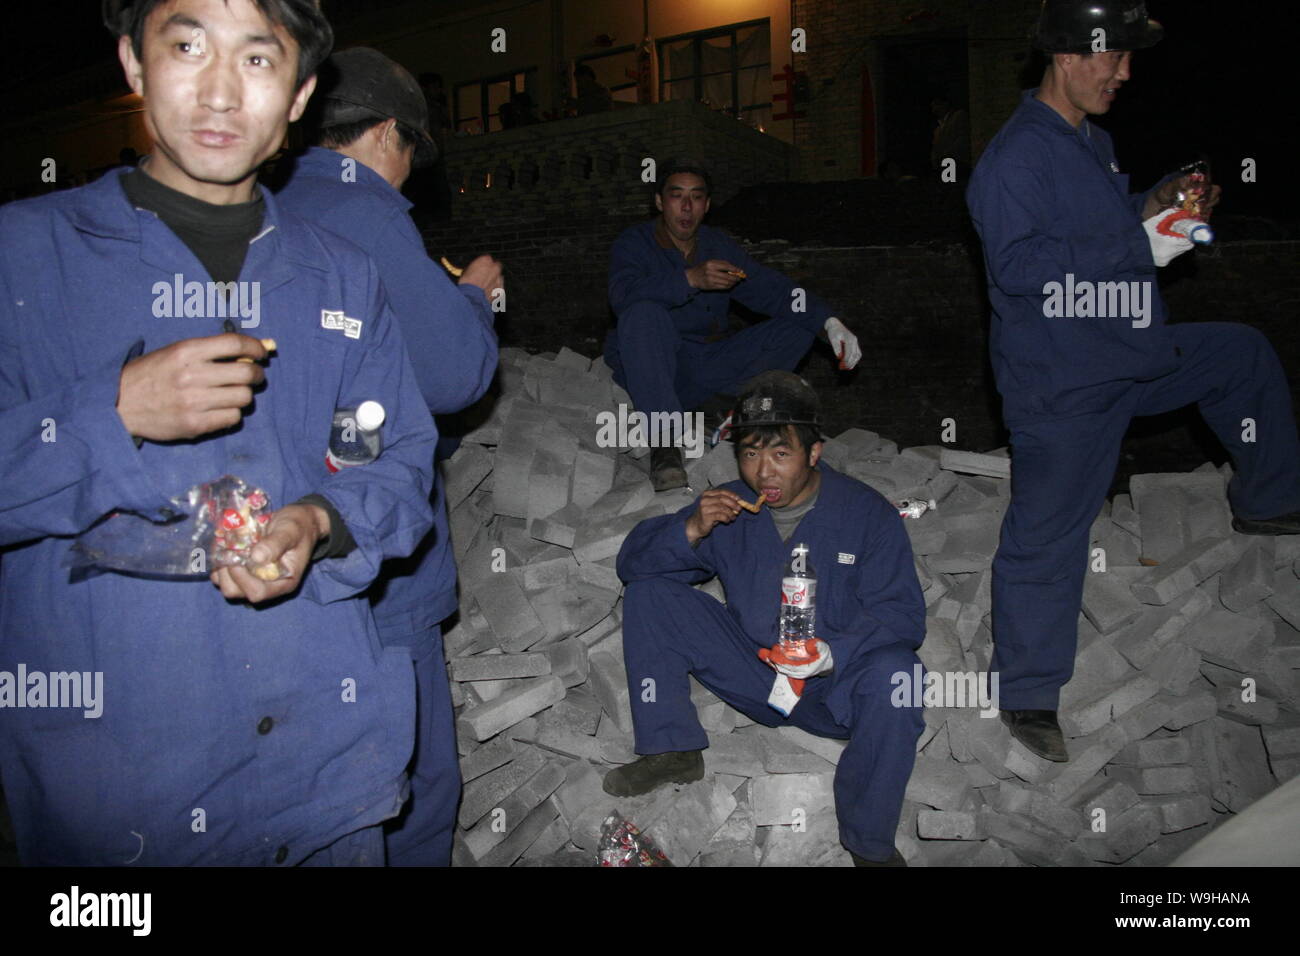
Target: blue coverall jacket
448 329
229 734
1049 200
641 270
868 596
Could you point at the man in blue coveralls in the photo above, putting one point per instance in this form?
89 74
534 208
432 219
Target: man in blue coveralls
671 281
1052 209
870 617
373 128
254 722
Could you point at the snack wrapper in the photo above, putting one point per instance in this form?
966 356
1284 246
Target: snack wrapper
622 844
217 524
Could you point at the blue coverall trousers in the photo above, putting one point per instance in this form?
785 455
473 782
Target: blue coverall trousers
671 630
1062 469
664 372
421 834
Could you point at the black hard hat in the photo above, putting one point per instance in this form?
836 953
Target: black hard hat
362 83
777 398
1066 26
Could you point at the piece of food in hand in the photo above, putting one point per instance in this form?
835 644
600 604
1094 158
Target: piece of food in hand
454 270
755 506
267 572
268 344
738 273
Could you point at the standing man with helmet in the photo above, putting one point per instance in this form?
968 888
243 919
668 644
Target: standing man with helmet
671 281
870 617
373 126
1051 206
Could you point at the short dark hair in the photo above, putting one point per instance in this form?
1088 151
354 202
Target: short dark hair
345 134
583 69
301 19
765 435
680 165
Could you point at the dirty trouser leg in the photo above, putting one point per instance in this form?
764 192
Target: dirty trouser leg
1234 376
727 365
873 771
421 835
646 361
671 630
1060 472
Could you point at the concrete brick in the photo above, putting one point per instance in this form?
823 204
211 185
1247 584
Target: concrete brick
593 477
776 797
827 748
510 708
1108 599
971 463
568 660
495 753
1286 601
1144 719
1190 708
737 754
492 667
1250 579
1154 752
560 527
1175 667
463 472
949 825
815 844
1243 763
1258 711
479 796
1155 628
1084 718
512 619
1125 836
1098 668
684 826
1282 738
1181 811
1167 506
1186 569
550 573
1024 836
1231 640
609 682
522 837
780 755
593 543
1104 793
502 820
1087 756
938 784
1147 780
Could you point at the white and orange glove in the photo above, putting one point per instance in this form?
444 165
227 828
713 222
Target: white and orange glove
818 665
843 343
1165 248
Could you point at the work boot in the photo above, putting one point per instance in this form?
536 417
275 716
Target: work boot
667 470
646 773
895 860
1038 731
1282 524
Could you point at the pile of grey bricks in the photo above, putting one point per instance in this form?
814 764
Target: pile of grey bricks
1183 710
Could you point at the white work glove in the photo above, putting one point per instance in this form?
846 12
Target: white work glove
1165 249
823 663
843 343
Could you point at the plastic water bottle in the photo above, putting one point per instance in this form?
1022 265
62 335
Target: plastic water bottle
798 603
354 437
1194 230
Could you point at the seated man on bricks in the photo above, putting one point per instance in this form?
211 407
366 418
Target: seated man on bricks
671 281
1051 207
870 616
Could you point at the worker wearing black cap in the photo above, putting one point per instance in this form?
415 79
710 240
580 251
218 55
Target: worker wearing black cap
870 617
372 126
1054 211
